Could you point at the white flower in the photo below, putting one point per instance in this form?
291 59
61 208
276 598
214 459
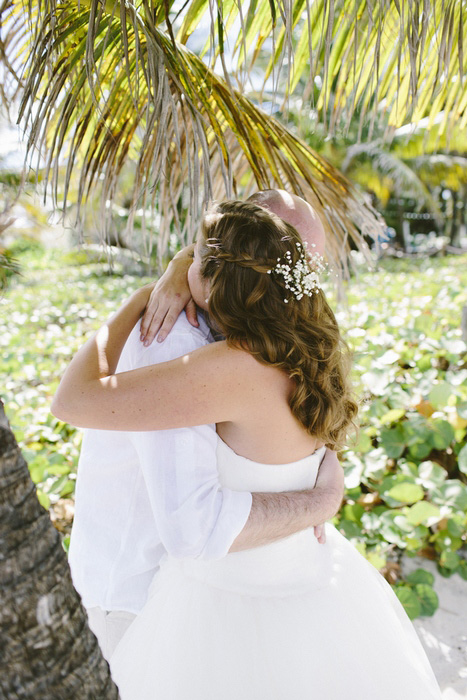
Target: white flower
301 278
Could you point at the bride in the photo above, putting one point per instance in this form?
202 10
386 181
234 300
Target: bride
294 619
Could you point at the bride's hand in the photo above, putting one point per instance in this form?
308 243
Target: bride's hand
171 294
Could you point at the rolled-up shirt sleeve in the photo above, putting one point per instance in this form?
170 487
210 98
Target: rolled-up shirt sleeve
195 516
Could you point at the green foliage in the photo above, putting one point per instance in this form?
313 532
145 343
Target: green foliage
8 267
405 474
43 319
417 594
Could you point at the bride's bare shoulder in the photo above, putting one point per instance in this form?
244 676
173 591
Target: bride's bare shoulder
234 358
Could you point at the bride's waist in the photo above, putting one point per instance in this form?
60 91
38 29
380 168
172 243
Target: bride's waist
284 567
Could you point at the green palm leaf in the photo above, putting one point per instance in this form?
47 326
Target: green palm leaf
403 174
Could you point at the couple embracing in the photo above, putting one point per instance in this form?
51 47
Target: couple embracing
208 472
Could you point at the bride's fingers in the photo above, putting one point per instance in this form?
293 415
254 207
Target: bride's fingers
156 325
148 319
191 315
167 324
166 312
174 309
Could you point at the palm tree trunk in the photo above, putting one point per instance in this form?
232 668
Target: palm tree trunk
47 650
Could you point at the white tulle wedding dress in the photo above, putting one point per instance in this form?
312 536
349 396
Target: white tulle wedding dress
294 620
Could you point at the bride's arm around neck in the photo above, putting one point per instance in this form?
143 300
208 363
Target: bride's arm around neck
206 386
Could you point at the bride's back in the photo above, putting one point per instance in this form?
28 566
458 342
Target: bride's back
267 431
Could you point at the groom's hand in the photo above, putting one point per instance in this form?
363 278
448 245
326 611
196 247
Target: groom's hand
169 297
331 478
331 482
320 533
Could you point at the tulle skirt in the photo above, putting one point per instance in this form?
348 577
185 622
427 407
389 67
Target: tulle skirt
294 620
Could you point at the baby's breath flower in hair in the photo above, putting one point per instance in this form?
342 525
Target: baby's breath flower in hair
301 278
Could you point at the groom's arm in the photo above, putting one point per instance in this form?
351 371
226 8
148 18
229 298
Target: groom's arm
277 515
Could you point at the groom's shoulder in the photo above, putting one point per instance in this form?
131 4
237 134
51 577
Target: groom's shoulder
182 339
183 328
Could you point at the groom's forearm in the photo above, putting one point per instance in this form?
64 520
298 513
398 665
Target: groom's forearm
274 516
277 515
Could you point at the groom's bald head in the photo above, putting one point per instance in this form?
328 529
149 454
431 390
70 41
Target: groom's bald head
295 211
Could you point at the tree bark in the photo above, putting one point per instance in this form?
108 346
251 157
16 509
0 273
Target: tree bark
47 650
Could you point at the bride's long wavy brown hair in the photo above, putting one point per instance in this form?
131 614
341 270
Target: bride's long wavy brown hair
240 243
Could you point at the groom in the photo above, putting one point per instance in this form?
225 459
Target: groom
141 495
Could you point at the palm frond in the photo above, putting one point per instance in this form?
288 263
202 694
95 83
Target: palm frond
104 85
442 169
404 174
13 33
393 61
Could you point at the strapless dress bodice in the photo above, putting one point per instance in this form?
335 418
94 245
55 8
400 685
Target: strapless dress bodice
243 474
282 568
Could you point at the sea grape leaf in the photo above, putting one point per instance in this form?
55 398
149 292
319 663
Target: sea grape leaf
393 441
43 499
428 599
421 576
420 450
424 362
375 464
462 460
389 357
349 529
462 569
394 535
353 470
376 380
363 443
455 527
370 521
377 559
423 512
449 560
392 416
442 434
406 492
452 493
440 394
353 512
409 600
38 467
431 474
378 408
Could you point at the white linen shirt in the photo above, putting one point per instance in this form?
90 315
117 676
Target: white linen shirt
140 495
